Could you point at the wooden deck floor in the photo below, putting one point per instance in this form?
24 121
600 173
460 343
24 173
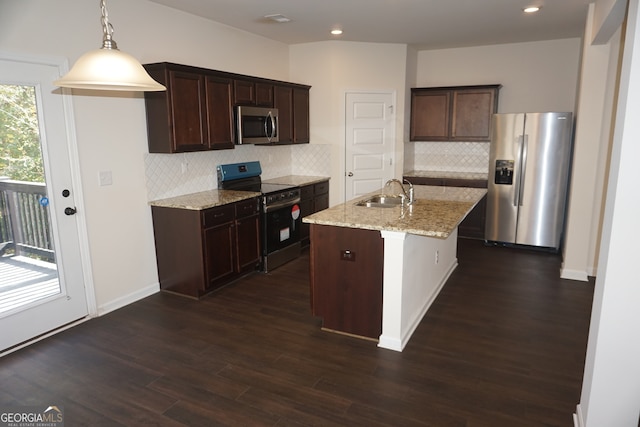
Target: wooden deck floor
503 345
23 281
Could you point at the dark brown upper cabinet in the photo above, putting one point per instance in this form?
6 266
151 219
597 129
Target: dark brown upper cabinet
249 92
293 114
461 113
193 114
196 112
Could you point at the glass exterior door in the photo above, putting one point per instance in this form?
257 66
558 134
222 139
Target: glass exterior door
41 273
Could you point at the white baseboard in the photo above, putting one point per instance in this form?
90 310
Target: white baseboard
578 421
398 344
128 299
574 275
390 343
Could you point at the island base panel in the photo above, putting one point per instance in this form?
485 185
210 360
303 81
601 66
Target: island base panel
346 269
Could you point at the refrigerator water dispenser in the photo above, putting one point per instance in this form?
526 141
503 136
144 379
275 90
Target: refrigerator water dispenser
504 172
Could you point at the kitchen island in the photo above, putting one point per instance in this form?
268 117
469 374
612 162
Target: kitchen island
376 270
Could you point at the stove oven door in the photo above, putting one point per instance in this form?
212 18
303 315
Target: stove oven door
281 227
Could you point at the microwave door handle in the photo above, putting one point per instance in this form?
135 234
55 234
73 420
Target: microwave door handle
266 127
271 134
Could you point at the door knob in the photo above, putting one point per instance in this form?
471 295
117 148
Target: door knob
350 174
70 211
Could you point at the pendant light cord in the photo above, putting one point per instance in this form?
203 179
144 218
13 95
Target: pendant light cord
107 28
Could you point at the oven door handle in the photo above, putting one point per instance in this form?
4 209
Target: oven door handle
280 205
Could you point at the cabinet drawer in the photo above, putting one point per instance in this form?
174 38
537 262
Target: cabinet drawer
216 216
246 208
321 188
306 192
419 180
470 183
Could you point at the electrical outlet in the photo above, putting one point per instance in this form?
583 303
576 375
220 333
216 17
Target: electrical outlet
185 167
437 257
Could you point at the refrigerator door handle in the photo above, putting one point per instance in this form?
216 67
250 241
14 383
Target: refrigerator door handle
523 167
516 190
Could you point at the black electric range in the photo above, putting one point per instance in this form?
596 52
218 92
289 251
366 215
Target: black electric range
280 211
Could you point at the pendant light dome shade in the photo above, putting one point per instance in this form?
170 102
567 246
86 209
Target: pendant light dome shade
108 68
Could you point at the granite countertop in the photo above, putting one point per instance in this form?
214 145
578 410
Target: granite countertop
446 174
298 180
212 198
436 212
204 199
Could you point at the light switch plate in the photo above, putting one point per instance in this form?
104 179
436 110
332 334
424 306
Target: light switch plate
105 178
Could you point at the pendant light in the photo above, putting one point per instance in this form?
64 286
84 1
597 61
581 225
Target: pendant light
108 68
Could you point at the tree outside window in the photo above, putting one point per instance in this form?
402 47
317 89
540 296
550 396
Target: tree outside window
20 154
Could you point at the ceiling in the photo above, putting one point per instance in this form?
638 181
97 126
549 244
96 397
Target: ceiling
424 24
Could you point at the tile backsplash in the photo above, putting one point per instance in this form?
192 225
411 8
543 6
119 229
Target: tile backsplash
447 156
170 175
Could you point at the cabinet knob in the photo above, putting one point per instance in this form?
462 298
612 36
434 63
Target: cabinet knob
350 174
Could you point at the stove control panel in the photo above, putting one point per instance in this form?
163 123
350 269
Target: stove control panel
282 196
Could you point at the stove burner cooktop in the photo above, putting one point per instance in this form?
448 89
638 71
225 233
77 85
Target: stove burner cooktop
246 177
266 188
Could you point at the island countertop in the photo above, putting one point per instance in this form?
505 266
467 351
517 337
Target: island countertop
436 212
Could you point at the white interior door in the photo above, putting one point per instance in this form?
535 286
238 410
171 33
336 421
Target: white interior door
53 260
369 147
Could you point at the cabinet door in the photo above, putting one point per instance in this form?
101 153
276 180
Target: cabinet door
219 256
473 225
283 101
306 209
244 92
321 202
264 95
219 112
430 115
247 243
301 134
187 111
472 111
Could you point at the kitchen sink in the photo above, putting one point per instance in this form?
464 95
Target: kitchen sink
381 201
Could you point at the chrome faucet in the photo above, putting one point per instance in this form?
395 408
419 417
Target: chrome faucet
408 196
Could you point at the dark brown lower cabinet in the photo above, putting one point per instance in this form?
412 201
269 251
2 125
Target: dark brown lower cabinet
313 198
472 227
346 279
199 251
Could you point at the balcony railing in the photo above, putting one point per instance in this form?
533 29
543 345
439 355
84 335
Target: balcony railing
24 220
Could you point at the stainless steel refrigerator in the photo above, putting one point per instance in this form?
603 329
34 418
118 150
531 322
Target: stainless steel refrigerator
529 161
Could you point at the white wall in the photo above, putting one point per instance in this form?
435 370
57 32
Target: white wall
535 76
111 127
599 71
611 385
333 68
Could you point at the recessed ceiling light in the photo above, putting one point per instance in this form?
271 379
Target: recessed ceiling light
336 31
278 18
531 9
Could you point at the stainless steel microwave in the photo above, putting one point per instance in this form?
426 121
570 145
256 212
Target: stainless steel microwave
256 125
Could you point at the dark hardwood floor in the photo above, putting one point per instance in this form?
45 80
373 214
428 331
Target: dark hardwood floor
503 345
